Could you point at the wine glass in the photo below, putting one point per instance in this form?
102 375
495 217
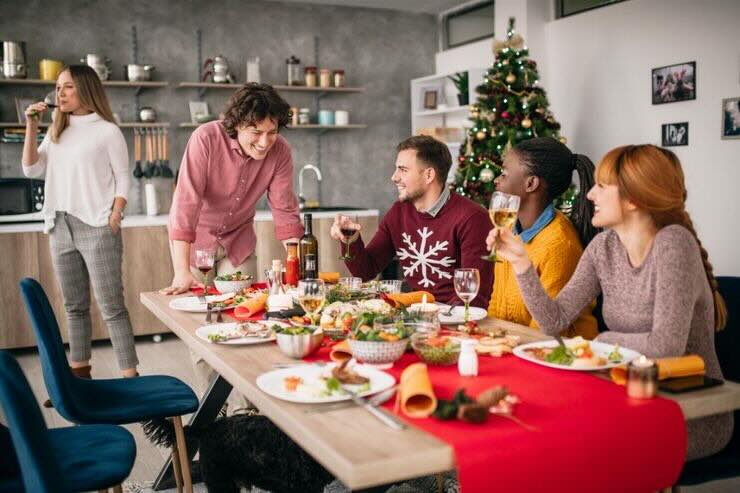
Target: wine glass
467 283
349 234
311 297
503 211
204 261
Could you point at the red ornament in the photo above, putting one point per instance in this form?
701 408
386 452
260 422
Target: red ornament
505 115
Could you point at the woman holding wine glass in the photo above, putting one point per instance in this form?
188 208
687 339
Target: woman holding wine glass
84 160
660 295
534 174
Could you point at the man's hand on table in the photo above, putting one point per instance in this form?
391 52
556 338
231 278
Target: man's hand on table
181 283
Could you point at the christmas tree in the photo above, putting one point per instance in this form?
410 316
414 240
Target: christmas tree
510 108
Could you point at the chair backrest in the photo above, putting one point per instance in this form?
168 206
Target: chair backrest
727 341
27 429
57 375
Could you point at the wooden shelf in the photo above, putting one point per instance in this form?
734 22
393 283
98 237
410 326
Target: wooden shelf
107 83
443 111
122 125
20 125
213 85
352 126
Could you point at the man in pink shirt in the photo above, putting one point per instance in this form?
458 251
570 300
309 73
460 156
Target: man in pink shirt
227 166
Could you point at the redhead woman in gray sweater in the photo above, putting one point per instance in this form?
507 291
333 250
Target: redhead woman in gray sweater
660 295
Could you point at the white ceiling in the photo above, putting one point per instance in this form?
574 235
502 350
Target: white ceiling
420 6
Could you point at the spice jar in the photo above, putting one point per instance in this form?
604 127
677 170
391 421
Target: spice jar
294 115
338 78
304 116
325 77
311 77
467 363
294 71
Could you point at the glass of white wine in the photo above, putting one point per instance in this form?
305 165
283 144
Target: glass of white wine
503 211
311 297
467 284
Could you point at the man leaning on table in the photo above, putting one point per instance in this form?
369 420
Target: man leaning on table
431 230
227 166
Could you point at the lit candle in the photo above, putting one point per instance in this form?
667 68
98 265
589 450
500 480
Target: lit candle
424 301
642 378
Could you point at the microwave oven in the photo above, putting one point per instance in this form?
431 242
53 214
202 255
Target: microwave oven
21 199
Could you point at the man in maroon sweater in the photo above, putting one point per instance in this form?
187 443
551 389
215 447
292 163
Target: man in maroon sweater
431 230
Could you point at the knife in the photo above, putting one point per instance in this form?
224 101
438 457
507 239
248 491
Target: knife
375 400
385 417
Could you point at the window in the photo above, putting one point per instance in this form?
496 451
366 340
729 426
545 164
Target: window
570 7
468 24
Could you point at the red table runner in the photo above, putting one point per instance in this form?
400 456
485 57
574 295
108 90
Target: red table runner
591 436
230 312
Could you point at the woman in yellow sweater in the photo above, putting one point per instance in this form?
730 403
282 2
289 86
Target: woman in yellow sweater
539 170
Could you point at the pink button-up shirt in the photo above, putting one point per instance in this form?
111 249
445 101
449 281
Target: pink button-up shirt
218 188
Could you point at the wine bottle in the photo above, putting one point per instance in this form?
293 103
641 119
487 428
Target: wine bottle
309 247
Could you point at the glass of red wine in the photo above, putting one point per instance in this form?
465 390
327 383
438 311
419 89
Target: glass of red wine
204 261
349 227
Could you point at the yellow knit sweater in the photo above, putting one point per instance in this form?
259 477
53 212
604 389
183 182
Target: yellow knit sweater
554 253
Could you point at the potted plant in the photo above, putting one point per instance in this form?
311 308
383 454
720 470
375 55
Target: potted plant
460 80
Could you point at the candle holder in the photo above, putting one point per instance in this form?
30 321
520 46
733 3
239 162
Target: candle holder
642 378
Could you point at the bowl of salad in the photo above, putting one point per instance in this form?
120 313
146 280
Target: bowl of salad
378 340
232 283
435 349
298 341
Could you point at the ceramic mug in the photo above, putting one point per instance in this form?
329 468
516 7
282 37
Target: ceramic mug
326 117
341 117
50 69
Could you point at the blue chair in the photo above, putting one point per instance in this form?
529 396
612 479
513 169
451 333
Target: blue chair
112 401
60 460
724 464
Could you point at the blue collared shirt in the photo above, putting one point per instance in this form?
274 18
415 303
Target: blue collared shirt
545 218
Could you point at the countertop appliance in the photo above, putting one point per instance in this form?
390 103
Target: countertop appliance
21 199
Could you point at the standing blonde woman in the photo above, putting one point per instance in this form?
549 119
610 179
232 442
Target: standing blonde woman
660 295
85 161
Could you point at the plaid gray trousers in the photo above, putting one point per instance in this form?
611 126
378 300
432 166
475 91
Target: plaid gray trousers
82 255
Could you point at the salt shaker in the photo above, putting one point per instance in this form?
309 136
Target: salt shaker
467 363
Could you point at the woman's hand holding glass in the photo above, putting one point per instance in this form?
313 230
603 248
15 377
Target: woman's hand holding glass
509 246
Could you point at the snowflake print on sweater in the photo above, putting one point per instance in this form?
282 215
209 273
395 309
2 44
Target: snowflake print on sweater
423 259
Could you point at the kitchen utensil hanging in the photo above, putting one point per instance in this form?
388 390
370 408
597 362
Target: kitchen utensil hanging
138 172
149 167
166 170
157 152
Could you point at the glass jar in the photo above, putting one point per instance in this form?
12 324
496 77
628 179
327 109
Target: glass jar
294 115
304 116
294 71
338 78
325 77
311 76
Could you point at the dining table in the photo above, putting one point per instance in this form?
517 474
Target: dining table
351 443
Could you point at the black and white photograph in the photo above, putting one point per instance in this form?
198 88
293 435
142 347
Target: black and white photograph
675 134
731 118
674 83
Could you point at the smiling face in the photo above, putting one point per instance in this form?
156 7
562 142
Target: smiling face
412 178
608 205
257 139
515 176
67 97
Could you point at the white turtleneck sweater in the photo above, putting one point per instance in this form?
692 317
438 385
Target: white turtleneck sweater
85 170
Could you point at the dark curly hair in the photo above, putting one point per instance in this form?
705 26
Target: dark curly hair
251 104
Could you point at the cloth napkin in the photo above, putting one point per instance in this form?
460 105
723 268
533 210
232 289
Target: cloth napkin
329 277
250 307
415 395
408 299
682 366
341 352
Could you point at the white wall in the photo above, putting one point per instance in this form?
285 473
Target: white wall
599 66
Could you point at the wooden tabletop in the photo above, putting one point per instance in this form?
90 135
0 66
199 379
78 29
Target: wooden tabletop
350 443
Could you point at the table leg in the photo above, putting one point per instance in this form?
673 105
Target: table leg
212 402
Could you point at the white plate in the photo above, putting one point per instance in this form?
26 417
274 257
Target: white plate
456 316
272 382
193 304
599 349
206 330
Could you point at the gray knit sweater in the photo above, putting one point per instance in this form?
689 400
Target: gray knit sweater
662 308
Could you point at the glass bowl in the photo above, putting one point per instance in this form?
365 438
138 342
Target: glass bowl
434 349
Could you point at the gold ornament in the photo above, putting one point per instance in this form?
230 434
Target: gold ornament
563 140
475 114
491 116
541 111
516 43
480 135
510 79
526 123
505 62
486 175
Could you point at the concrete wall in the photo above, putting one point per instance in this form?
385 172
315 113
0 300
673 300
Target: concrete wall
379 49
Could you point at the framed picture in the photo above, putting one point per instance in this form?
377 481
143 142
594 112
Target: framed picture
430 99
674 83
197 109
731 118
20 108
675 134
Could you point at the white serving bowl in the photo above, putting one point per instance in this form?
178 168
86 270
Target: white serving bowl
231 286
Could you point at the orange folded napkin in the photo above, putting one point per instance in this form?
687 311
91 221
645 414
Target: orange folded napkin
329 277
250 307
341 352
681 366
408 299
415 395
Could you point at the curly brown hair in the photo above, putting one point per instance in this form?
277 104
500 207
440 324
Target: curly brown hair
251 104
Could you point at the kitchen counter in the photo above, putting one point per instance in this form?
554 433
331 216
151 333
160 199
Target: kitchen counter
161 220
